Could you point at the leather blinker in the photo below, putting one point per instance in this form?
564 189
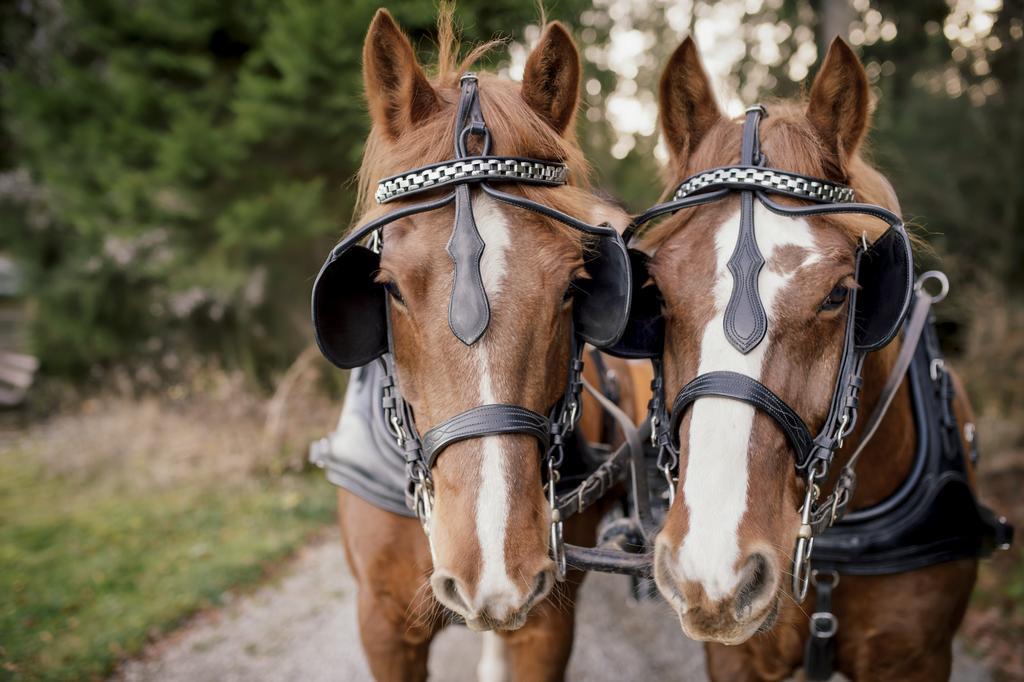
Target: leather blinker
644 333
349 312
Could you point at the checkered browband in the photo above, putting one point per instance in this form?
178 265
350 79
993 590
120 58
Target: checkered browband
497 168
753 177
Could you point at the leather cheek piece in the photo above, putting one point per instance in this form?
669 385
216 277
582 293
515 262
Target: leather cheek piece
645 328
349 309
601 307
886 282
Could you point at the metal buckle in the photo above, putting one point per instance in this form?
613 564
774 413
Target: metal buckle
937 365
395 426
423 503
840 434
832 575
830 621
1003 546
573 411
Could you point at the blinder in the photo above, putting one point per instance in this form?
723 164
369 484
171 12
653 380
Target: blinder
644 333
350 308
886 279
601 305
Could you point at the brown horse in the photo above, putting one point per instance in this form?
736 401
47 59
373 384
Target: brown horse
488 555
724 555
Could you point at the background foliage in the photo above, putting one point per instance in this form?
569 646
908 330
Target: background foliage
176 170
183 166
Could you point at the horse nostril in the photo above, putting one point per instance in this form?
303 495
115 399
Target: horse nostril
541 585
760 577
448 588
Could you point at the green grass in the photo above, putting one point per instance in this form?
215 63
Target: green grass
89 574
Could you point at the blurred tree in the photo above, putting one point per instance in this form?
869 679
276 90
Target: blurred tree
184 166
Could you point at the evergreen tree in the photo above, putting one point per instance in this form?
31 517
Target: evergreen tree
185 165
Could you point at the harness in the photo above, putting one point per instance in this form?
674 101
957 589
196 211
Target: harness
932 518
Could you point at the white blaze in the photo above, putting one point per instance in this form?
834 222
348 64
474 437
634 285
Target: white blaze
492 666
716 472
492 506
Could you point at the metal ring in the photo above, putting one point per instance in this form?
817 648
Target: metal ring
938 276
479 131
833 576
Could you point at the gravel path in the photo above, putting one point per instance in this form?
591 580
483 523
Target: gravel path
303 627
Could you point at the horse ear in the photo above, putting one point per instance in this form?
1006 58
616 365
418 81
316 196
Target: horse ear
397 90
688 108
840 103
551 81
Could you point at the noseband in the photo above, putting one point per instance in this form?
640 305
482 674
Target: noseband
884 272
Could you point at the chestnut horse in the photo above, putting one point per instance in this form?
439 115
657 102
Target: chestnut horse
724 556
488 556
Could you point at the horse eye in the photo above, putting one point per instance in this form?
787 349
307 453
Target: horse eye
835 299
570 293
393 291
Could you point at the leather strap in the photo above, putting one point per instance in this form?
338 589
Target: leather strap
820 651
911 335
745 319
484 420
468 310
847 481
744 388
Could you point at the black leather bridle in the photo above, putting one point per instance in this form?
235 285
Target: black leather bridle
352 321
746 326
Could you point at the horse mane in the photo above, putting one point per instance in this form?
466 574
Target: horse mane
791 144
516 130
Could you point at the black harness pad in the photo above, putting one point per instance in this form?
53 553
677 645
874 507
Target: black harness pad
934 517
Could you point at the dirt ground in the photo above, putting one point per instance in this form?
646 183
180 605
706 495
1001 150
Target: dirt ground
302 626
